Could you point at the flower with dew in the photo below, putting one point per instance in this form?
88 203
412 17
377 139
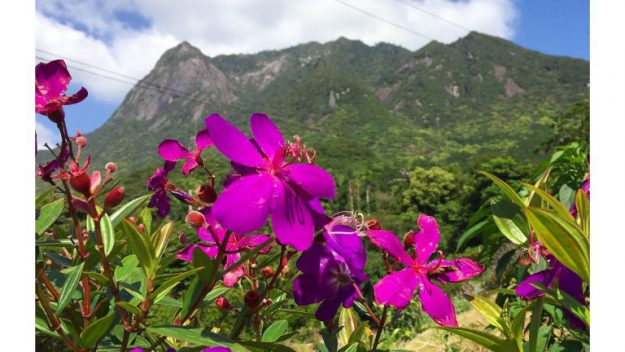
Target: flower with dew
51 81
332 270
271 183
173 150
212 234
396 289
159 184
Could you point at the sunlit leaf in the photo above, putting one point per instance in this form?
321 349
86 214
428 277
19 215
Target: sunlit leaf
48 215
73 277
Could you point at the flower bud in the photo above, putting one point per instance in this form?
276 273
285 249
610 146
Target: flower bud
182 237
114 197
132 219
267 272
110 167
252 299
195 219
141 227
222 303
373 224
81 183
409 239
285 270
81 141
206 193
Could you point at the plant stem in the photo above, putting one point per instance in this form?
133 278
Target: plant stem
379 332
53 321
364 301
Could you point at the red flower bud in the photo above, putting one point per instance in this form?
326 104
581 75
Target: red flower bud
409 239
267 272
373 224
81 141
222 303
206 193
81 183
114 197
252 299
195 219
182 237
141 227
110 167
132 219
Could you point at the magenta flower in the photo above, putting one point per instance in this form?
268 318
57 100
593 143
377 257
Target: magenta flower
396 289
212 235
159 184
173 150
269 184
46 171
330 271
51 81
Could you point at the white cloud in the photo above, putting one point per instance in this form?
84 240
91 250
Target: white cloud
45 135
91 30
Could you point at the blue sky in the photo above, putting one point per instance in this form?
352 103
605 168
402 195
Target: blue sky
127 37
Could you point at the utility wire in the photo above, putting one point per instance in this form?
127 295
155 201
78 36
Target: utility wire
408 3
384 20
134 81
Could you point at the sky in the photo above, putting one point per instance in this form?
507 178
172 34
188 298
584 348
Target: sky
123 39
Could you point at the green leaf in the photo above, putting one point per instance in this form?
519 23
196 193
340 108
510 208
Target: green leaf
108 234
195 336
509 229
349 322
563 239
139 245
170 283
43 196
211 296
146 219
161 238
350 348
486 340
131 308
507 191
517 328
95 331
192 293
127 209
303 314
206 265
566 301
540 183
274 331
48 215
583 212
535 324
488 309
73 277
55 243
472 232
551 201
247 256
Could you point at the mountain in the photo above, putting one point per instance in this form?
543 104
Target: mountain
371 112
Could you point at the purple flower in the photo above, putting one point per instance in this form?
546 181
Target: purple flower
46 171
269 185
173 150
51 81
397 289
585 187
330 271
159 184
568 282
213 235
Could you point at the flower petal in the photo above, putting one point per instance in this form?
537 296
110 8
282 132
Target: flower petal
232 143
457 270
244 205
290 218
426 240
436 304
327 310
233 276
76 97
52 78
312 179
387 241
203 140
348 245
250 242
528 292
266 134
189 166
172 150
396 289
313 260
306 289
320 219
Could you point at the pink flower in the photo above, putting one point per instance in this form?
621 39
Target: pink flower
173 150
51 81
396 289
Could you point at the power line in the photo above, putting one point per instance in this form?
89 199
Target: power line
384 20
408 3
135 82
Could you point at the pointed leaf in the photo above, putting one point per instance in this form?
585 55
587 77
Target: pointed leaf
583 212
506 190
95 331
509 229
195 336
486 340
551 201
248 255
127 209
48 215
43 196
170 283
161 238
73 277
349 323
108 234
274 331
139 245
131 308
488 309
